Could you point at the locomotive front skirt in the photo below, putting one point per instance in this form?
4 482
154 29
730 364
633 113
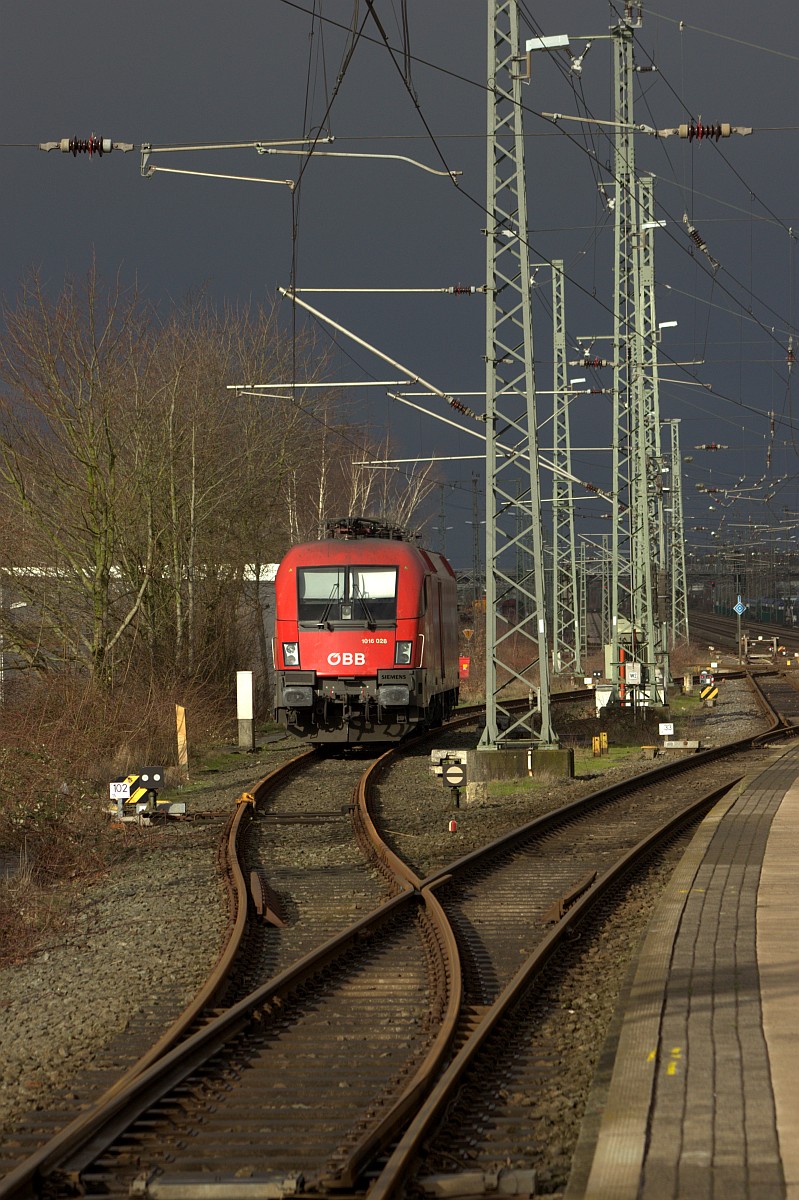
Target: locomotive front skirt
366 640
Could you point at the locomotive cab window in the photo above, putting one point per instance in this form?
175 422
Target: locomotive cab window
364 595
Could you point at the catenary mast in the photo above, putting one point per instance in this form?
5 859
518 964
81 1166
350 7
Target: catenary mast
622 608
517 652
566 617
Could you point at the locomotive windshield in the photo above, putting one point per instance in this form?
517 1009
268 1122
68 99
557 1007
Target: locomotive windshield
347 593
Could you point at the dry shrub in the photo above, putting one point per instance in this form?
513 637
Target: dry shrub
61 746
53 821
28 914
685 659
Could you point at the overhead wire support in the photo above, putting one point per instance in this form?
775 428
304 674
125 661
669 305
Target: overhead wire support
453 175
650 549
622 607
456 290
430 389
514 538
566 637
306 148
675 525
291 294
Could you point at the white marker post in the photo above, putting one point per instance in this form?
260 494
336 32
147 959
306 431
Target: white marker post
245 709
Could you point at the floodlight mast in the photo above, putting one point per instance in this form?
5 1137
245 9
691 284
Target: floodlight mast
515 591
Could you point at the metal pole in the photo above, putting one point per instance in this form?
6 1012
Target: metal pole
622 608
566 642
516 630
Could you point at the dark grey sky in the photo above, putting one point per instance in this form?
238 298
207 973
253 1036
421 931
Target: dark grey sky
199 72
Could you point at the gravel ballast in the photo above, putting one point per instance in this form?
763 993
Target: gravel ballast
152 928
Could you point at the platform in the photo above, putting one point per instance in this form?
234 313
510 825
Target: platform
700 1093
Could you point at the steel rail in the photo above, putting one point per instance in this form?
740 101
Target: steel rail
178 1053
614 791
395 1173
85 1138
407 1103
390 865
389 861
238 901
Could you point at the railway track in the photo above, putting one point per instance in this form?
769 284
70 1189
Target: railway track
722 631
335 1070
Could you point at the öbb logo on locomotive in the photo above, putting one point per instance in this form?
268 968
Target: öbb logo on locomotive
366 635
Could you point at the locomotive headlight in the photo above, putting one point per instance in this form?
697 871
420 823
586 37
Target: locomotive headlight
291 654
402 654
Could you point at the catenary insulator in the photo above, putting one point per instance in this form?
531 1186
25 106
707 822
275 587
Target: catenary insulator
700 131
91 146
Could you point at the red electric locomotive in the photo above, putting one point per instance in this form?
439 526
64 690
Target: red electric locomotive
366 636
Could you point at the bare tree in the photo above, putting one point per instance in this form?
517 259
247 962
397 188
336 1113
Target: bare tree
141 497
64 468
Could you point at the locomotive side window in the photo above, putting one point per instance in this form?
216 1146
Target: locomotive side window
347 593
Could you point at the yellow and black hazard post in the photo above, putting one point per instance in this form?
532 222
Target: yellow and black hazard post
709 693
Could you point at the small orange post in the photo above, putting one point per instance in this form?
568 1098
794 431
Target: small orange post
183 747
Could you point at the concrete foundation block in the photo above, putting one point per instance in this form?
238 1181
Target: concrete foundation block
476 794
486 766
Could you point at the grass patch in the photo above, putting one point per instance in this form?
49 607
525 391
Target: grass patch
585 762
685 706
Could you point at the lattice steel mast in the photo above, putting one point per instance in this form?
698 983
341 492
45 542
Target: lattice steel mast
622 608
566 639
649 599
516 630
676 542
